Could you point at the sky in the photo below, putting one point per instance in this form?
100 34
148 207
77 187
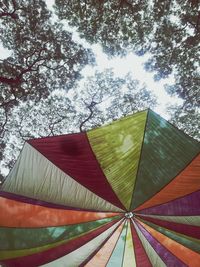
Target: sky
135 65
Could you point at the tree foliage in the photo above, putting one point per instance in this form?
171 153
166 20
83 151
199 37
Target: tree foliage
43 55
104 98
186 117
168 30
43 58
50 116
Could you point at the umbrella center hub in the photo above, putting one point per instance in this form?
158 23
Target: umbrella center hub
128 215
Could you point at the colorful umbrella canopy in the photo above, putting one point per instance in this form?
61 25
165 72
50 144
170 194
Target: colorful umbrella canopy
125 194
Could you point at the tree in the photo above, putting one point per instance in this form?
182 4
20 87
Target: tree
186 117
93 96
43 58
169 31
104 98
175 48
48 117
43 55
117 25
100 99
135 97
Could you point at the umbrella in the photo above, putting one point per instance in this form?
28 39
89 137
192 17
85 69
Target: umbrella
125 194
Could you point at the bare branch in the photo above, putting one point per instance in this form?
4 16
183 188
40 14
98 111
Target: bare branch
9 14
10 81
90 107
2 129
18 79
12 14
20 128
52 126
8 103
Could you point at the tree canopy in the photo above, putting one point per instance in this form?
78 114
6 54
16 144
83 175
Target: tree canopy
43 55
169 31
42 89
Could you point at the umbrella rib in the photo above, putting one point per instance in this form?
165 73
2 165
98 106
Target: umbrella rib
145 127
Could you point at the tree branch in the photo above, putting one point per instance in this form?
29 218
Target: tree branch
18 79
52 126
10 81
198 22
90 107
2 129
12 14
8 14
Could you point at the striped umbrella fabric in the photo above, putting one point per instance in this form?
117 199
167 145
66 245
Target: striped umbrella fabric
122 195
